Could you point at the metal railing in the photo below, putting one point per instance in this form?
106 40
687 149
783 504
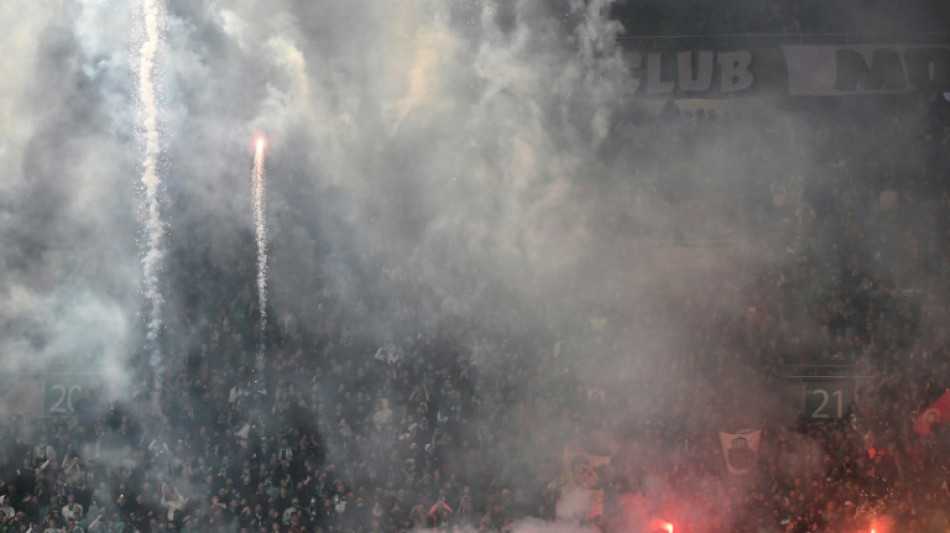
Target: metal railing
659 42
826 371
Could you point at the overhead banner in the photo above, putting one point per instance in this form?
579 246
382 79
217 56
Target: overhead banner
825 70
791 70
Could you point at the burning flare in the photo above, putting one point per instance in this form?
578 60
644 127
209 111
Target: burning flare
661 525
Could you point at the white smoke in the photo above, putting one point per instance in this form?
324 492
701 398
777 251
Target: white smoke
461 148
154 253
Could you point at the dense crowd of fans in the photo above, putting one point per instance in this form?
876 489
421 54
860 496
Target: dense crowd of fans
464 423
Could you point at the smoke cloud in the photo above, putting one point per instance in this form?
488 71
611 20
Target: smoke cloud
475 183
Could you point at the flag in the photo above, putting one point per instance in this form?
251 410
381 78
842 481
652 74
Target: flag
741 449
585 469
579 504
583 495
939 411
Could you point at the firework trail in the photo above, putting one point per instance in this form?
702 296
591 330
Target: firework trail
151 184
260 224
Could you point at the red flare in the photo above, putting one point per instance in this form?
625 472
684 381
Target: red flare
663 525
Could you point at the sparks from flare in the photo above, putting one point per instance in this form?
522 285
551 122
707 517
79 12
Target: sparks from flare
260 225
151 182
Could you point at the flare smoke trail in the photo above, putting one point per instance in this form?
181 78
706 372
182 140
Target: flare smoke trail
151 183
260 223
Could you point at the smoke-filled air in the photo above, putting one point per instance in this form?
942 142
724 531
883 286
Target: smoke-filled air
513 266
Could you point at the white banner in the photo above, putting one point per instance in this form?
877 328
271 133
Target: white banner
741 449
835 70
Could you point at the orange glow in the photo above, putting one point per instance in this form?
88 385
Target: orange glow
881 524
658 524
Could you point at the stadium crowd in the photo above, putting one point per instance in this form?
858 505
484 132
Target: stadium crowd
428 428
